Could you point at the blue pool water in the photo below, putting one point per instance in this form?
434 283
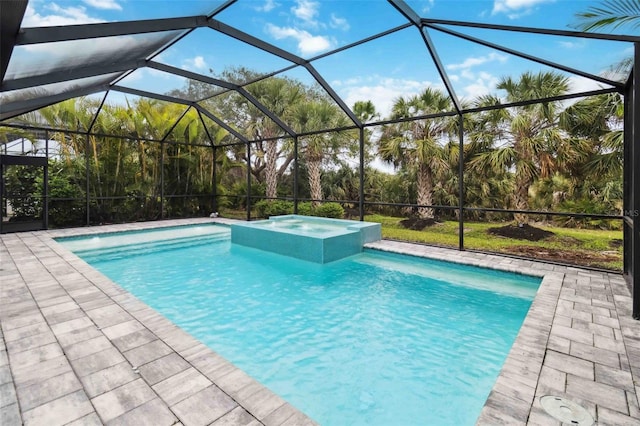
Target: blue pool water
374 339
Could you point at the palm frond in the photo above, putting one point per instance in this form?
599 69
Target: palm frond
610 13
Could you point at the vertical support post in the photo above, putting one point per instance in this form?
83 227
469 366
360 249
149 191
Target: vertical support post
162 179
45 212
248 181
86 172
634 139
295 174
627 233
461 182
3 207
361 194
214 178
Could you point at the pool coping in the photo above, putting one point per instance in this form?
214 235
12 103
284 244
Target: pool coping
66 331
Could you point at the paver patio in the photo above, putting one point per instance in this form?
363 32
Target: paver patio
75 348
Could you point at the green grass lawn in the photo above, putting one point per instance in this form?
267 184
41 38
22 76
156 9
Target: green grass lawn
588 247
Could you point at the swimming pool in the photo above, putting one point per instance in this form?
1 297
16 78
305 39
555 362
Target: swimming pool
372 339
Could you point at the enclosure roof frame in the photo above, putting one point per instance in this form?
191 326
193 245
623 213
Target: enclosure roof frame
39 35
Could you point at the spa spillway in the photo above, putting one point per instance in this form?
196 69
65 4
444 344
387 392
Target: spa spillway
314 239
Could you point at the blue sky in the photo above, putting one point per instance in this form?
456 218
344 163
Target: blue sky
379 71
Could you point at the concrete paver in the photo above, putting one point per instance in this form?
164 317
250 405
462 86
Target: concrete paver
76 348
204 407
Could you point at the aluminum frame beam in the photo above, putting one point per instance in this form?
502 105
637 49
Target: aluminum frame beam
224 84
266 111
254 41
527 56
10 20
13 109
175 124
145 94
415 19
221 123
633 260
407 11
192 104
518 29
274 50
337 99
159 97
191 75
67 75
38 35
443 73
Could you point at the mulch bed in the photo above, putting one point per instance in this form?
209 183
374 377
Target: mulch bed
615 243
522 232
576 257
417 224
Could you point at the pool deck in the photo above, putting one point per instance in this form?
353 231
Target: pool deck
75 348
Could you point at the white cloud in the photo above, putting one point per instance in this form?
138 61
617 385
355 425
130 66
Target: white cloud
147 75
578 84
307 10
571 44
482 85
268 6
466 73
427 6
475 83
137 75
55 15
472 85
516 8
582 84
339 23
474 61
197 63
104 4
308 44
382 91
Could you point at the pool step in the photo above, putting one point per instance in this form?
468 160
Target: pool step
139 249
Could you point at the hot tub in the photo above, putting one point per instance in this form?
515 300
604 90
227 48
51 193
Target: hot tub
315 239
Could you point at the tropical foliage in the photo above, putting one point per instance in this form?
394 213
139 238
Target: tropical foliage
549 156
610 14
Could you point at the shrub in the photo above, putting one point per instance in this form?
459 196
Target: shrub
586 206
67 205
333 210
266 208
305 208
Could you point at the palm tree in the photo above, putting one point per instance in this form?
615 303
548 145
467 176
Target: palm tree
365 111
523 137
610 13
614 14
418 144
319 115
596 140
278 95
72 113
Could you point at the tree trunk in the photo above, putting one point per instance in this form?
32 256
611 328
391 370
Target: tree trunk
271 173
425 192
315 186
116 174
521 199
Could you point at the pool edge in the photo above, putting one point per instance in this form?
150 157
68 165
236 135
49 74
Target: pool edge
532 366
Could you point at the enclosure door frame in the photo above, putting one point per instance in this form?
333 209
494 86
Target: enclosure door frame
19 160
